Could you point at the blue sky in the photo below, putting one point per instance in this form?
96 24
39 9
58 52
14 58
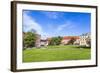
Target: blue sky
52 23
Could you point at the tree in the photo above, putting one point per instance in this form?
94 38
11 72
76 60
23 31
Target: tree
72 41
55 40
29 39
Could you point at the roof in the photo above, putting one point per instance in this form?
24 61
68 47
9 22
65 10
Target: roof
70 37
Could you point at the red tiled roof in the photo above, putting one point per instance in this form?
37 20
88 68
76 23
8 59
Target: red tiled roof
70 37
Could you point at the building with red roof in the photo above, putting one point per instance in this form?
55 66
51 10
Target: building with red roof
66 39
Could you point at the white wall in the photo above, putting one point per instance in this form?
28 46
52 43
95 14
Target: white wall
5 37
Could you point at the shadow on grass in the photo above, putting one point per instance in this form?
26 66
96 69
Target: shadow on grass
56 47
82 47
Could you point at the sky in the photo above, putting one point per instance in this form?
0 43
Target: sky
53 23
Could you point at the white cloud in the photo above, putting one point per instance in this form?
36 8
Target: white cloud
52 15
66 25
29 23
61 27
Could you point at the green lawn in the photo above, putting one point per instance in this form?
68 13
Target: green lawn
56 53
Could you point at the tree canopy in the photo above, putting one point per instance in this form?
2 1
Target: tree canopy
55 40
29 39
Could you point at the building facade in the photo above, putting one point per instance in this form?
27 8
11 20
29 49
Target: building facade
67 39
82 40
44 42
85 40
37 42
40 41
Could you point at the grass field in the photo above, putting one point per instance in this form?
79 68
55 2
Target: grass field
56 53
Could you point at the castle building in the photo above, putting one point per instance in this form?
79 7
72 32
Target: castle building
85 40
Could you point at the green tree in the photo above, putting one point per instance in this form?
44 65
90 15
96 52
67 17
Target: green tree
55 40
72 41
29 39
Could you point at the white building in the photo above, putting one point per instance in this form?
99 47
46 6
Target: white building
85 40
41 41
44 42
37 43
77 42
